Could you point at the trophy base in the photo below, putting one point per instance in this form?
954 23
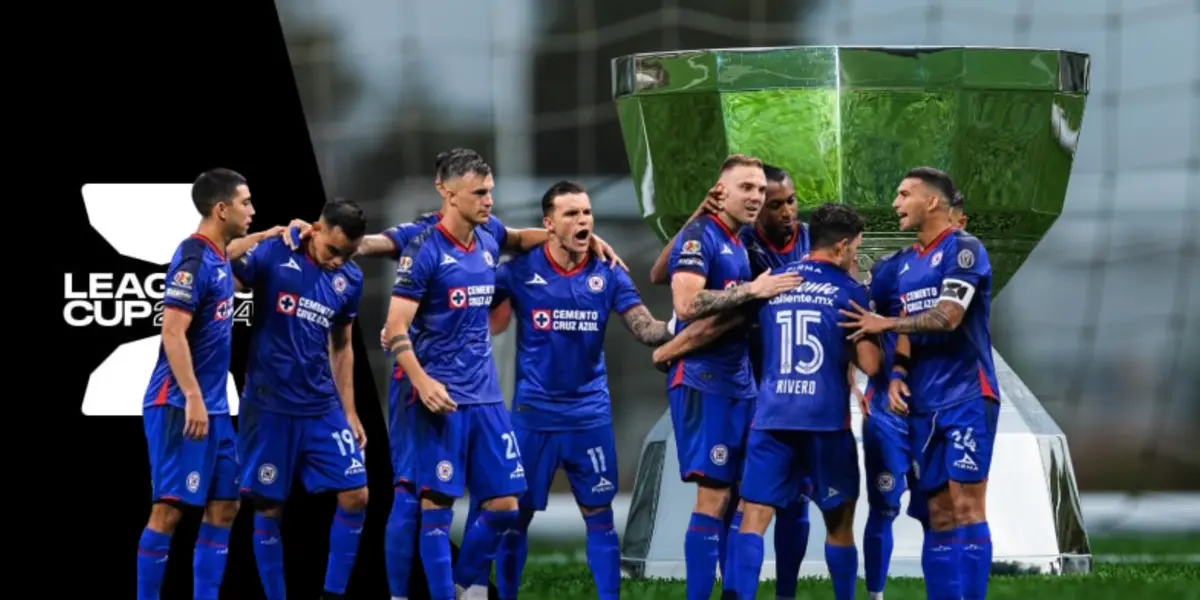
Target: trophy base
1033 503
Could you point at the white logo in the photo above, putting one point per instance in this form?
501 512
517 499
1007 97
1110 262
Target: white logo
937 258
193 481
448 260
220 274
537 280
290 264
339 283
831 492
966 463
719 454
725 249
487 258
596 283
966 258
117 386
445 471
355 467
604 486
885 482
904 269
267 474
518 473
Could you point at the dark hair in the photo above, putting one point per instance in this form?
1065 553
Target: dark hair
774 173
938 180
213 187
832 223
562 188
957 200
459 162
346 216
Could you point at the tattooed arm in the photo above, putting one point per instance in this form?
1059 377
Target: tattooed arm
698 335
644 327
946 316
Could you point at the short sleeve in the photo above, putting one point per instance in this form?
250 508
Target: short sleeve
965 271
497 229
503 283
400 235
416 268
625 294
247 267
690 254
882 284
187 279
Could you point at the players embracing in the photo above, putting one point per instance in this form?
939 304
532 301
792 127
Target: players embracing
947 385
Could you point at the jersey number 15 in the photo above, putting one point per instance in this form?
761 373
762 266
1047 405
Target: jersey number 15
794 333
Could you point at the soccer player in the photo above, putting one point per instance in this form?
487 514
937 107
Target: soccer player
463 436
710 392
561 407
802 416
299 416
945 284
776 239
189 433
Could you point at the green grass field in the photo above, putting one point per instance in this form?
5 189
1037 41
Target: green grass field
1163 567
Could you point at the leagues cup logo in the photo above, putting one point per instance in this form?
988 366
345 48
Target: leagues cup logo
133 300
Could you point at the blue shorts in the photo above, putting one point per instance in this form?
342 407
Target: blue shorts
588 456
474 449
778 462
277 447
192 472
402 398
710 434
954 444
888 459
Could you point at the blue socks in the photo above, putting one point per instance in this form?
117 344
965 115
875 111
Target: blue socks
343 547
479 544
791 542
435 552
510 558
153 548
877 547
976 560
749 549
700 549
399 541
843 569
604 554
268 553
940 562
727 551
472 516
208 561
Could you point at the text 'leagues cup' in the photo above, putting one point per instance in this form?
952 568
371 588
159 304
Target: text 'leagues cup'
847 123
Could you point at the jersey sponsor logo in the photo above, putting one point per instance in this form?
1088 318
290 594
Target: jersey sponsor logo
920 300
565 319
307 309
134 300
809 292
595 283
470 296
690 247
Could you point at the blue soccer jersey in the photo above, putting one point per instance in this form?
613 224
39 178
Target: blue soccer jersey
403 233
950 368
885 300
293 422
199 283
801 427
765 255
475 447
706 247
289 370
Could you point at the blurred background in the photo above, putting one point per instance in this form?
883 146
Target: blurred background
1100 322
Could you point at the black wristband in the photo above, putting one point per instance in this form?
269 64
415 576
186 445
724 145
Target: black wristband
902 361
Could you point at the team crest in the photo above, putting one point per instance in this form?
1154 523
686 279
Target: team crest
339 283
885 482
445 471
286 303
193 481
541 319
182 279
691 247
937 259
966 258
405 263
224 310
487 258
267 474
457 297
596 283
731 284
719 455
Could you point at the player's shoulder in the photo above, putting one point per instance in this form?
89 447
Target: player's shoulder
886 263
425 240
352 272
427 218
194 248
524 260
748 236
485 236
966 249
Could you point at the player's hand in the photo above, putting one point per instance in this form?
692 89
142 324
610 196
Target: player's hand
360 434
435 397
305 230
383 340
714 201
196 425
606 252
767 286
661 362
863 321
898 394
275 231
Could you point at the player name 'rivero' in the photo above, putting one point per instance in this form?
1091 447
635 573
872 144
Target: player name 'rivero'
809 292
